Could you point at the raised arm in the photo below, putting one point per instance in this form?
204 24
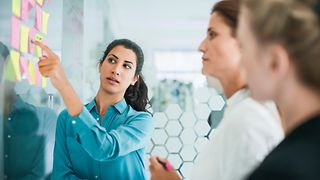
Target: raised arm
51 67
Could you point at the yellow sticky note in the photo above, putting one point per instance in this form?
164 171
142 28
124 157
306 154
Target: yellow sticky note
45 18
40 2
44 82
16 7
37 51
24 34
32 74
9 73
12 71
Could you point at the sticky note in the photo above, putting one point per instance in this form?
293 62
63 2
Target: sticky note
45 18
31 2
24 9
40 2
9 73
24 68
38 37
16 7
32 34
24 36
15 33
13 66
44 82
38 18
38 75
31 70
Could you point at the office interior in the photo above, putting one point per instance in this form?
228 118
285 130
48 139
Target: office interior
186 108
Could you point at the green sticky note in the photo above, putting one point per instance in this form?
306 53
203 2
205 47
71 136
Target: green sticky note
38 37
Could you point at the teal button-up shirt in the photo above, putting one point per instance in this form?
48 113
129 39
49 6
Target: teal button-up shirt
86 149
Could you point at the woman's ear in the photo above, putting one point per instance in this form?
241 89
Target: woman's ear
279 61
135 79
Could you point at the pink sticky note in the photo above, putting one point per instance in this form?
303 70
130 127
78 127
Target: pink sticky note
15 33
38 75
24 9
31 2
38 20
32 34
24 67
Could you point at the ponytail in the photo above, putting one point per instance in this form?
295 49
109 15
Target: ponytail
137 95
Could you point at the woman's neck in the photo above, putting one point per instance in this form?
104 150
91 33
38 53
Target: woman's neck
297 104
104 100
232 85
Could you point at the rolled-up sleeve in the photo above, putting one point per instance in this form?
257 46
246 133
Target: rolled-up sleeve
102 145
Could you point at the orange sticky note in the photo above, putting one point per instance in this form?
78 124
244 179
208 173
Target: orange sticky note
31 71
45 18
16 7
38 19
15 33
24 35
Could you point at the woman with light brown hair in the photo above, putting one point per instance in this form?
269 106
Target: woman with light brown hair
280 42
249 129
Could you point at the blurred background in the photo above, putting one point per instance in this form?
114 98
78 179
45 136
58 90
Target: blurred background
187 106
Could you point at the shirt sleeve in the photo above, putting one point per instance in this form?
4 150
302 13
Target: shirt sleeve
62 168
102 145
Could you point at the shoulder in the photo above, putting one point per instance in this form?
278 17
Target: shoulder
250 118
132 113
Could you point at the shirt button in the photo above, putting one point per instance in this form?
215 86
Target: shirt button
6 156
96 177
9 118
9 136
73 122
98 119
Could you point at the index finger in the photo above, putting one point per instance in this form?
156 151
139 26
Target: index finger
42 46
154 161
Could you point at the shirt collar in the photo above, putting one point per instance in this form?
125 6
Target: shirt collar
238 96
119 106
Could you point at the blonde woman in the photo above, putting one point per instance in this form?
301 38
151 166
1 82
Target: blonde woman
280 42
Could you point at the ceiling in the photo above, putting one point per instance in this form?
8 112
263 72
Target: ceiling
162 24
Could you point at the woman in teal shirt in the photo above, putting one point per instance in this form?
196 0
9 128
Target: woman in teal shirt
104 139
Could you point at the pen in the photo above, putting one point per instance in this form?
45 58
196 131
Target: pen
167 166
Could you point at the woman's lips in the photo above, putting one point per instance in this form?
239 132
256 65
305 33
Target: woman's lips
113 80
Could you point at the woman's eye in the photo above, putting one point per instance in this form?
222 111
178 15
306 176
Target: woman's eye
212 34
111 60
127 66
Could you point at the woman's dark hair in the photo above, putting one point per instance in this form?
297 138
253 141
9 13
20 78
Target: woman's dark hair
229 10
136 95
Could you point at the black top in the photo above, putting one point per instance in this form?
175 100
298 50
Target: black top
296 157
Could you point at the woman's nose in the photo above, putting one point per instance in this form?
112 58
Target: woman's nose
115 72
